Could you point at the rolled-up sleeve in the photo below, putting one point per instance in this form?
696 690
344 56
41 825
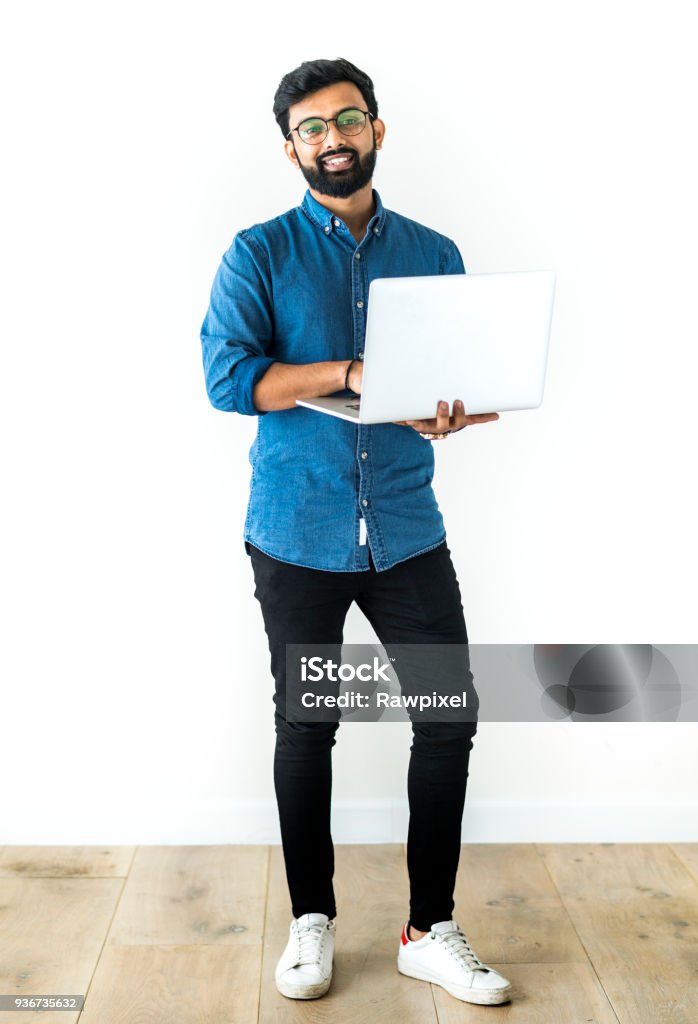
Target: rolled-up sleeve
237 332
451 260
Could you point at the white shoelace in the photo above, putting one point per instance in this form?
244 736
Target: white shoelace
310 943
457 944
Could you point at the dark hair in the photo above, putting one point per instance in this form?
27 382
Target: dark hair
313 75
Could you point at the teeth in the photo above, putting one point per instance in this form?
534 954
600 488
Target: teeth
338 160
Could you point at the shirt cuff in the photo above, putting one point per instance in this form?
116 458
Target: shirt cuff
245 375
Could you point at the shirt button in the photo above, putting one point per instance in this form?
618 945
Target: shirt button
376 231
360 304
364 455
327 229
336 222
361 355
364 503
357 255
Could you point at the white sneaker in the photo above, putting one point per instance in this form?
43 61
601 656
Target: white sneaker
305 968
445 957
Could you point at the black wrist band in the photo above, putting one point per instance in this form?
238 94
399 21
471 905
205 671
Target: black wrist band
346 376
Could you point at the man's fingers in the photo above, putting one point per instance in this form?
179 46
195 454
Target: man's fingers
459 417
482 417
442 422
442 418
438 425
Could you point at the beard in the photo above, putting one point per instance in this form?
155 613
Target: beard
341 184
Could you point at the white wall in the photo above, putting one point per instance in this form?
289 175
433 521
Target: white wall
136 692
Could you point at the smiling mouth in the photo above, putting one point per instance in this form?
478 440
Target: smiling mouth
338 162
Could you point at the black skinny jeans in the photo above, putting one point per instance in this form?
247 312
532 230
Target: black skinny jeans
416 601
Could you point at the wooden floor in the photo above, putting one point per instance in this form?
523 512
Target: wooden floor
601 933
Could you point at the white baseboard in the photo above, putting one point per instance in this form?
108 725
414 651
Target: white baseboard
386 821
379 821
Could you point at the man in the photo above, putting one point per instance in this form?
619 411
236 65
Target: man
340 512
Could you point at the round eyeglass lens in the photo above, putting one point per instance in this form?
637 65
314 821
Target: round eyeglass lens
312 130
350 122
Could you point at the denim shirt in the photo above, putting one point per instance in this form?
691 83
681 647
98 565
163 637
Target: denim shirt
295 289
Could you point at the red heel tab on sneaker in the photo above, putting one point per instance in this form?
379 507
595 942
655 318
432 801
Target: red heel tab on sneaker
405 940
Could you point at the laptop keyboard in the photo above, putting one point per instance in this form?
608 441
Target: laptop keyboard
353 405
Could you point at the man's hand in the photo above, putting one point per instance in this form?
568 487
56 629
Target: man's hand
442 423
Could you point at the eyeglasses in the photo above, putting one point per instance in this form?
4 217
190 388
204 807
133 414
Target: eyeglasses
314 129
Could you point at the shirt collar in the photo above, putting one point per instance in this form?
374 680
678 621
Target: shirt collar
325 219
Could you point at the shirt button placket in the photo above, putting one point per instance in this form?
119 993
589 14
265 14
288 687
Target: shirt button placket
359 285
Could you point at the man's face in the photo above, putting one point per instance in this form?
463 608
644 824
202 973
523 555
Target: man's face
336 180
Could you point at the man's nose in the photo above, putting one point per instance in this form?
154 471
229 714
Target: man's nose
334 137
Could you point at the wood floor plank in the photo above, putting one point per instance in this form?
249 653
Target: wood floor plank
51 934
510 909
65 861
189 895
178 984
616 870
547 993
635 908
371 888
688 855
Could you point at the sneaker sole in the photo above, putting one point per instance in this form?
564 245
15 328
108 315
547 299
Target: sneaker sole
484 997
304 991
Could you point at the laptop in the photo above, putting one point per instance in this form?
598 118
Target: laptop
482 338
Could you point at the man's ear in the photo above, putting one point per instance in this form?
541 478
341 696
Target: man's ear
291 152
378 131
